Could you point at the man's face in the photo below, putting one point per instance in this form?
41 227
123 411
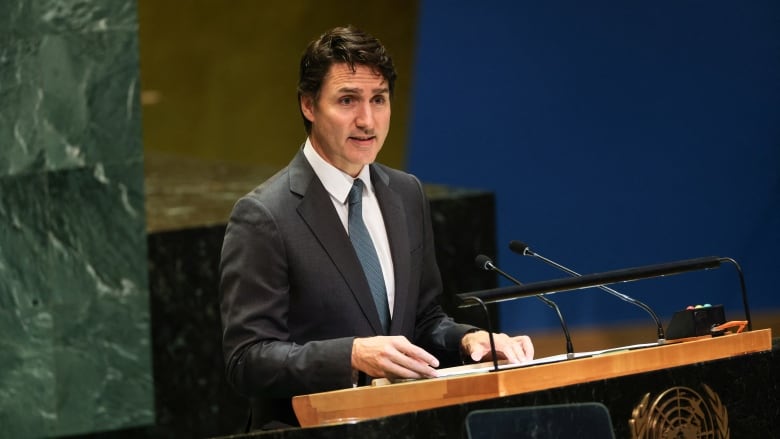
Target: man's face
351 118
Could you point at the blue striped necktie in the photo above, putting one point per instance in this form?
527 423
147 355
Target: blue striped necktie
366 252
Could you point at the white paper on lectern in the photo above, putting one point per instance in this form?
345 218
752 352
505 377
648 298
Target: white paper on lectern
503 365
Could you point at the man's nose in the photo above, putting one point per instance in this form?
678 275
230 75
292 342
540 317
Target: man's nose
364 117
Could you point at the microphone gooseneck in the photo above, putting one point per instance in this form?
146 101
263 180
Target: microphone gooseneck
744 290
523 249
491 340
484 263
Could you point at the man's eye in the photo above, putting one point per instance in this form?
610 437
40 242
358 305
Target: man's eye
346 100
379 100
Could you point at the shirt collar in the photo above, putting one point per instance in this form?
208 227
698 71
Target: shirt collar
336 182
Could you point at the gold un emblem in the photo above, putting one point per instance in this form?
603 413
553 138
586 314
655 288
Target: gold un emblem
680 413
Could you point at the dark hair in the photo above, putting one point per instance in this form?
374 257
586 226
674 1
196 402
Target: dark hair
341 45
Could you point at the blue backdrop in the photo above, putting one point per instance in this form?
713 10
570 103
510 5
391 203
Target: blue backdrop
614 134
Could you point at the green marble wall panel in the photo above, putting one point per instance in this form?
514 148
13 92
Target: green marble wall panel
59 95
75 352
27 376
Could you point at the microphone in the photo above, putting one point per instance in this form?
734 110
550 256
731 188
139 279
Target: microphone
523 249
484 263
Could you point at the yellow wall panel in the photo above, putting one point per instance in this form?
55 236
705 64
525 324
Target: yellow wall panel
219 78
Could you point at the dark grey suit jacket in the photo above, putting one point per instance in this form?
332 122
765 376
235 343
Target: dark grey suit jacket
294 296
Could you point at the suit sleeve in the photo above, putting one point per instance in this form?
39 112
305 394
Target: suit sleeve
434 330
255 299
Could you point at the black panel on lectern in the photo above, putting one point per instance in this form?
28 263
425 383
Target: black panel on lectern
589 420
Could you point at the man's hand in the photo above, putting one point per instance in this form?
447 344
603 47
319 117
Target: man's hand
392 357
517 349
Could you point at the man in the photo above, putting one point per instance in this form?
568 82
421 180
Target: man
297 306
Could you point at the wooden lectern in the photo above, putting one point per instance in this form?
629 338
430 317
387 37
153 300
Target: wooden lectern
352 405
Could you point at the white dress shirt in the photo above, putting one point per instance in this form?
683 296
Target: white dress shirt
338 185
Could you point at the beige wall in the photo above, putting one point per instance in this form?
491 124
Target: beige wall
219 77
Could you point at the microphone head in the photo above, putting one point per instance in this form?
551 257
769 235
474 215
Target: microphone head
483 262
520 247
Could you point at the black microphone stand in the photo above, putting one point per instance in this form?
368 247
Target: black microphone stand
523 249
489 328
484 263
744 290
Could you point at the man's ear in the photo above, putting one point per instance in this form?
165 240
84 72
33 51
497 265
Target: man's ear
307 107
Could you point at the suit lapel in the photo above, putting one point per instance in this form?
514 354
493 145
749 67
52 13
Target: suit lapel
397 234
316 209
